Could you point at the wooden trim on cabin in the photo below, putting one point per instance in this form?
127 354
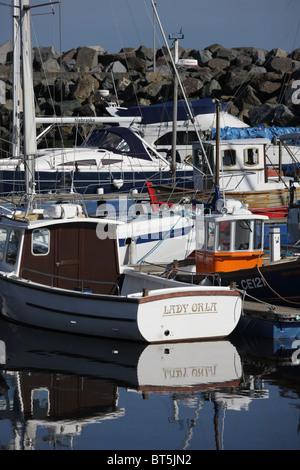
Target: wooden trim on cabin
171 295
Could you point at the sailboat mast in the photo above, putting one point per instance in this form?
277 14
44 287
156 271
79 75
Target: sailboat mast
217 171
30 147
16 78
175 104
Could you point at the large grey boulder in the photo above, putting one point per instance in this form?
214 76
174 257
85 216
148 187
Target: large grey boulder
279 64
272 114
86 57
6 52
43 54
84 87
259 57
203 57
115 67
227 54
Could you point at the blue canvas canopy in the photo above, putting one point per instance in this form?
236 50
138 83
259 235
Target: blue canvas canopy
229 133
163 112
120 140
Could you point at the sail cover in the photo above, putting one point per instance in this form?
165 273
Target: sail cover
163 112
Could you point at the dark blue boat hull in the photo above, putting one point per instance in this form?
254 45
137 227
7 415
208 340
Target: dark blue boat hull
277 283
85 182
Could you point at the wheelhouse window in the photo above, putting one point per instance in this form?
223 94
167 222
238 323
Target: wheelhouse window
251 156
258 235
243 231
210 241
13 246
200 230
224 236
229 157
40 242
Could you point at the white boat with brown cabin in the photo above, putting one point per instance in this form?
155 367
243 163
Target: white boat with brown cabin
58 271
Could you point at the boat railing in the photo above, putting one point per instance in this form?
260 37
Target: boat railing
83 283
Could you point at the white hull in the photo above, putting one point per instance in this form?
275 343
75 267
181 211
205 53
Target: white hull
166 314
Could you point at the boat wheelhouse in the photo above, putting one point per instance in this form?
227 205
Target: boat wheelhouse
245 173
229 239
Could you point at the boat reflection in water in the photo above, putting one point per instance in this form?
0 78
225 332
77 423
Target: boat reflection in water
55 388
60 383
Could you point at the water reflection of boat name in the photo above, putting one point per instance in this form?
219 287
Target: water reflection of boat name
184 372
253 283
203 307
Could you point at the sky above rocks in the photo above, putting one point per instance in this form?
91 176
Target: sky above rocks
114 24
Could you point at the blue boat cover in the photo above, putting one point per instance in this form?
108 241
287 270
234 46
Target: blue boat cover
119 140
163 112
229 133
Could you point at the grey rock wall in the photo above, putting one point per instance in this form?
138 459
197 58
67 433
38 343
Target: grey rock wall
262 87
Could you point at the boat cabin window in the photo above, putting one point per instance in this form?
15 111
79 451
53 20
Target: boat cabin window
258 235
182 138
229 157
40 241
251 156
77 163
198 158
210 241
40 403
13 246
115 142
102 138
201 161
224 236
242 235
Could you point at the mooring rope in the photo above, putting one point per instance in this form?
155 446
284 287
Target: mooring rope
276 293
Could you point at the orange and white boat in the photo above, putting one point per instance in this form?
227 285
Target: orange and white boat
229 238
230 251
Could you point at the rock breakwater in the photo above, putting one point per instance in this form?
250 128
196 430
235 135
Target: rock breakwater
262 87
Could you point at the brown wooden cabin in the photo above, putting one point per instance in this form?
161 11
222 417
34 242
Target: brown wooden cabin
76 258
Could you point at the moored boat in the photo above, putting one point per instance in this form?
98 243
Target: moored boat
63 274
230 249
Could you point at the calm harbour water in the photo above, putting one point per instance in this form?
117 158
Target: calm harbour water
60 392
